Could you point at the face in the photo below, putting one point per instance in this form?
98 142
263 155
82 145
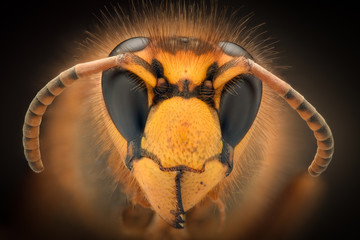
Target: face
180 121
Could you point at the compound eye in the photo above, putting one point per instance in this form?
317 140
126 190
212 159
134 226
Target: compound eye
130 45
125 94
234 50
239 104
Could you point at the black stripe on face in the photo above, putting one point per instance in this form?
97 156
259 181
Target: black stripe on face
180 209
172 90
164 90
210 73
158 68
182 168
178 223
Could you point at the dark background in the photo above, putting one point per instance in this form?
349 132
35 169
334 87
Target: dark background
318 40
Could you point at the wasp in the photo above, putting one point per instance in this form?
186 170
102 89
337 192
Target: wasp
179 106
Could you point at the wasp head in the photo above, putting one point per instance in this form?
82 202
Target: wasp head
181 130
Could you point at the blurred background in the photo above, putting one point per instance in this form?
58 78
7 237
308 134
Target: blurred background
318 40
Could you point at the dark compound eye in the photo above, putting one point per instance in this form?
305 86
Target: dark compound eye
234 50
125 95
239 104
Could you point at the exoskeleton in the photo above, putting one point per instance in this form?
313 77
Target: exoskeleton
176 106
